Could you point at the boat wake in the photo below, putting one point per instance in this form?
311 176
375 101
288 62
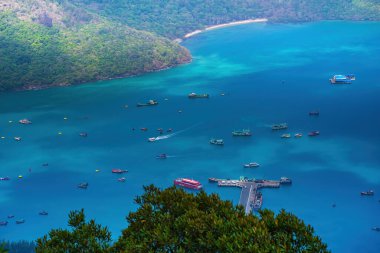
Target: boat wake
167 136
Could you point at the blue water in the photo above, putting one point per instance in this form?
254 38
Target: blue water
268 73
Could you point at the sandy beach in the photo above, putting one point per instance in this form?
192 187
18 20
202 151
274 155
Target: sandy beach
242 22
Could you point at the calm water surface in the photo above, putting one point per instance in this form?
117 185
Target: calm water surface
268 73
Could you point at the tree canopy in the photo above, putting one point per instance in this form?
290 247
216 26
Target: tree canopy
82 238
173 220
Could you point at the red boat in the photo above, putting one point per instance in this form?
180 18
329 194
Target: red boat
188 183
119 171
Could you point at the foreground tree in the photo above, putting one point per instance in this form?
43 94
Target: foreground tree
172 220
3 249
84 237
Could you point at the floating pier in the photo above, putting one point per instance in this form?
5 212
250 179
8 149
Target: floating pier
250 197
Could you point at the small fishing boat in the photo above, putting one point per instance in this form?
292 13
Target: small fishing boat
314 113
251 165
45 164
19 176
298 135
169 130
119 171
161 156
4 178
25 121
213 180
144 129
368 193
243 132
11 216
17 138
286 136
313 133
83 185
377 229
342 79
3 223
280 126
194 95
20 221
83 134
219 142
43 213
285 180
149 103
122 179
258 201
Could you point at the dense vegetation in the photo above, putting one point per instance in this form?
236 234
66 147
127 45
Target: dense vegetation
172 220
33 54
58 42
174 18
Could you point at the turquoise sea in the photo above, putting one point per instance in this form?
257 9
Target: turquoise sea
269 74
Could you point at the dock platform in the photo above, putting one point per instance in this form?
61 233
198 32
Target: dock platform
249 189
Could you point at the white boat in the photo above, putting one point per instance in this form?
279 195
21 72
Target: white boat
251 165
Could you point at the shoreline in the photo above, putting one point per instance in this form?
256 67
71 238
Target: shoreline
213 27
29 87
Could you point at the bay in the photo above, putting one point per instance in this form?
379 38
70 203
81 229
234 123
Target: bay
268 73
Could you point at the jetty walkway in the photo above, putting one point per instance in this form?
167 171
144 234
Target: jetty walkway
250 197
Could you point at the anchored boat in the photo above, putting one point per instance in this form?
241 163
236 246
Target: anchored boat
342 79
368 193
195 95
25 121
258 202
314 113
20 221
188 183
243 132
83 186
217 142
313 133
119 171
280 126
149 103
285 180
251 165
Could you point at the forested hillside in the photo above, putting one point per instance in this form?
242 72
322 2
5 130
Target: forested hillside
42 44
58 42
174 18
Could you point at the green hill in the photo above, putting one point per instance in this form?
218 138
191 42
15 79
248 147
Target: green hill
60 42
68 46
174 18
